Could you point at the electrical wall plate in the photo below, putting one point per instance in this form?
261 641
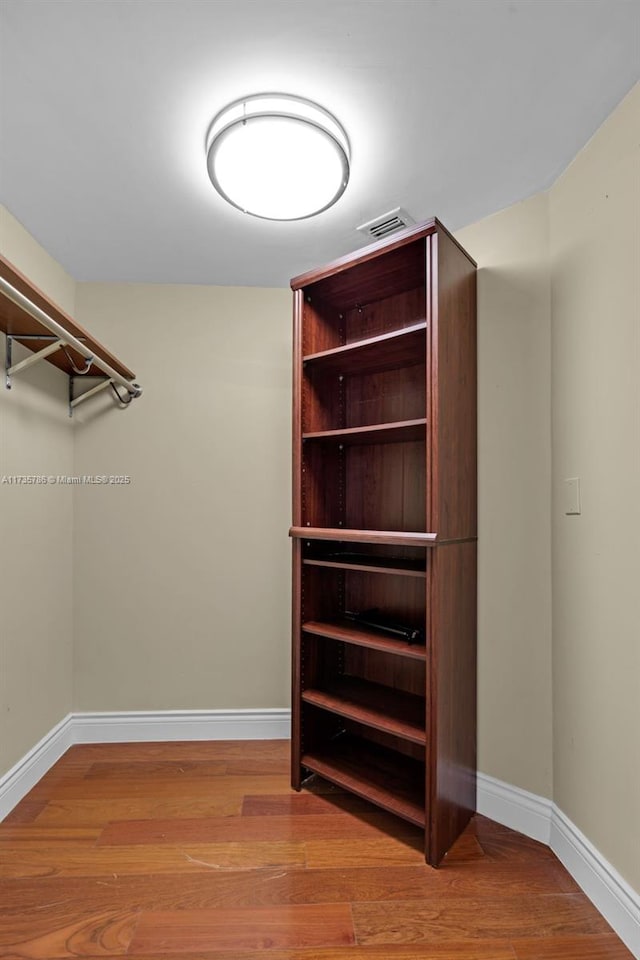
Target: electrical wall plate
571 497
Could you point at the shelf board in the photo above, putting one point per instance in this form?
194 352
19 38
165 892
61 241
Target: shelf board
382 708
347 632
14 320
399 431
389 779
388 351
395 565
400 538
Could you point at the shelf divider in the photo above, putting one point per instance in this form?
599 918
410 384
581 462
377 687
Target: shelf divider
399 538
399 348
400 431
396 568
347 632
381 708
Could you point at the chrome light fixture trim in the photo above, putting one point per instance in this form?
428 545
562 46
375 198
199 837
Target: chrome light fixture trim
286 147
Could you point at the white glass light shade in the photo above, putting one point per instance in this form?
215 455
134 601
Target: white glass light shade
278 157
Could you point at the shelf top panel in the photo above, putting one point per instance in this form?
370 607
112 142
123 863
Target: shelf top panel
393 537
15 321
346 281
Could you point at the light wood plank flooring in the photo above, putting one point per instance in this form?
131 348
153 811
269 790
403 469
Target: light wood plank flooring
201 851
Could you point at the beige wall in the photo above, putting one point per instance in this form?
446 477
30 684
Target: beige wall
36 526
514 497
559 318
182 591
595 233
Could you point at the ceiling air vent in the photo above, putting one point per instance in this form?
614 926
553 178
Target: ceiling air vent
385 224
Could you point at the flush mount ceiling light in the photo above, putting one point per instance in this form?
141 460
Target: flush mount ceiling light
278 157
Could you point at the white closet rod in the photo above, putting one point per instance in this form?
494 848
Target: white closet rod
65 337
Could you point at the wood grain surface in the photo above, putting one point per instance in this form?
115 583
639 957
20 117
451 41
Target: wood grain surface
169 851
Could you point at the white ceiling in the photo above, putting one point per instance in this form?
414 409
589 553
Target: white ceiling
454 108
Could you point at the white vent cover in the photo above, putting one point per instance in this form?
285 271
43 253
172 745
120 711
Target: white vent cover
385 224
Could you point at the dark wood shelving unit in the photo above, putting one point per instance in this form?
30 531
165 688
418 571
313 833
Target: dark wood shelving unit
384 522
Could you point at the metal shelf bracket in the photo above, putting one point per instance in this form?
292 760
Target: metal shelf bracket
60 339
74 401
12 368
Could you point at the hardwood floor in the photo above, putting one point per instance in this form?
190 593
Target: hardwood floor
200 851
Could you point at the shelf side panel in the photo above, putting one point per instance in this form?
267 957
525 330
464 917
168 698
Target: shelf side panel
452 403
452 701
296 663
297 409
322 325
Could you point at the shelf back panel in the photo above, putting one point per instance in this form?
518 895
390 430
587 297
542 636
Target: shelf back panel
327 325
332 402
400 598
385 669
385 397
374 279
385 486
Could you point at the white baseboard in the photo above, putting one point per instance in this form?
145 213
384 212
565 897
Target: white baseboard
614 898
518 809
272 724
540 819
139 726
522 811
16 783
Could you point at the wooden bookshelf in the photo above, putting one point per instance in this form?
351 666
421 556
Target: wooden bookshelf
384 520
